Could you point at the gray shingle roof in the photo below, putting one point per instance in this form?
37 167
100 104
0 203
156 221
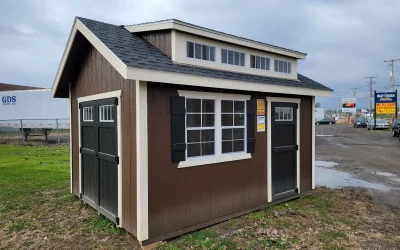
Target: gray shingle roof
135 51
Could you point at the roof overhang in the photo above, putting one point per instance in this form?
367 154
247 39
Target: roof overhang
204 32
79 27
200 81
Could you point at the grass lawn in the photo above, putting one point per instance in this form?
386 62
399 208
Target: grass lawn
38 211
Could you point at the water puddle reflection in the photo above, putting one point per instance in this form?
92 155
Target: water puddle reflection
336 179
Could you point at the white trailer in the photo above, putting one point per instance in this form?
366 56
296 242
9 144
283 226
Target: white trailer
30 110
319 114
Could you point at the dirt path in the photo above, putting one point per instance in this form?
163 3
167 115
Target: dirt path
371 158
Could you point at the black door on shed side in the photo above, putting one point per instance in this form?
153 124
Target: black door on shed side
99 156
284 149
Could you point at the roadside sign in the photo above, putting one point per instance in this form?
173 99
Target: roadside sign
385 103
349 105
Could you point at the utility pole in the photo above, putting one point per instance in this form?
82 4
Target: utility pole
354 92
391 63
370 94
338 105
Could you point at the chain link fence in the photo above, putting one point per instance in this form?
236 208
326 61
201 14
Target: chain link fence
50 131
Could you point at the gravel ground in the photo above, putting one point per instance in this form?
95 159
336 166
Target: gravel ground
370 156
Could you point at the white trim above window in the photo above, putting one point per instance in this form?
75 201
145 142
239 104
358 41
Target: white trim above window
218 156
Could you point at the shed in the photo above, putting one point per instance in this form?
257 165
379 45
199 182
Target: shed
176 127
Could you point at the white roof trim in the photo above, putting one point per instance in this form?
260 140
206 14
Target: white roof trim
100 46
197 30
200 81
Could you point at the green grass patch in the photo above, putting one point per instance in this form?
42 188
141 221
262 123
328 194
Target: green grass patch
274 244
101 224
329 236
203 239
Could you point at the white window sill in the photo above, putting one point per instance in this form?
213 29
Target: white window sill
213 160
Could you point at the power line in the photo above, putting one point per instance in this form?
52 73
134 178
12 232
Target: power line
391 61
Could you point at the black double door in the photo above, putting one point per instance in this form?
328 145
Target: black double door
99 156
284 149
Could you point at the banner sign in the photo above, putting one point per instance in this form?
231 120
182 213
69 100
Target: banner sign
385 103
349 105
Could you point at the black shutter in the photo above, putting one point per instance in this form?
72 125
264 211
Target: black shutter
178 128
251 126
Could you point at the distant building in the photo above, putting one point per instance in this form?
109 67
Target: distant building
12 87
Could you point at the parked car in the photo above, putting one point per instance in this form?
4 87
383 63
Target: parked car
360 122
325 121
396 127
380 124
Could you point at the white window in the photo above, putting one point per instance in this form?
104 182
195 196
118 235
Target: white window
200 127
233 57
283 66
88 114
259 62
215 128
106 113
200 51
283 114
233 126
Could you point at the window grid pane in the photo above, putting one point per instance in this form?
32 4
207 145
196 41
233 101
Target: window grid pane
283 114
233 57
233 126
200 129
283 66
190 49
105 113
87 114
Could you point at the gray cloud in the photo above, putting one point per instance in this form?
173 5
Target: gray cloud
345 40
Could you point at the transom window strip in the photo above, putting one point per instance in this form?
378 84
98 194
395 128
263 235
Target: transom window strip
88 114
283 66
200 127
233 57
233 126
283 114
106 113
200 51
259 62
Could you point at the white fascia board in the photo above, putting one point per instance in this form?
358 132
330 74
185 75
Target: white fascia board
99 45
200 31
150 27
200 81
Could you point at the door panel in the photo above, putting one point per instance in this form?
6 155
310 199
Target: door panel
284 149
99 156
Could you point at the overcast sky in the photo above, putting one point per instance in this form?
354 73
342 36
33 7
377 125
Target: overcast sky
345 40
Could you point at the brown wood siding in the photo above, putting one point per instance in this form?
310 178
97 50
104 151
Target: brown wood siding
306 144
97 76
160 39
181 198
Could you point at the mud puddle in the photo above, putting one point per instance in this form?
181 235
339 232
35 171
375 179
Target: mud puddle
336 179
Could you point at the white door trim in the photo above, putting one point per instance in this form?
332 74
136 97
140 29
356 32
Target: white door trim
313 142
269 141
142 192
106 95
